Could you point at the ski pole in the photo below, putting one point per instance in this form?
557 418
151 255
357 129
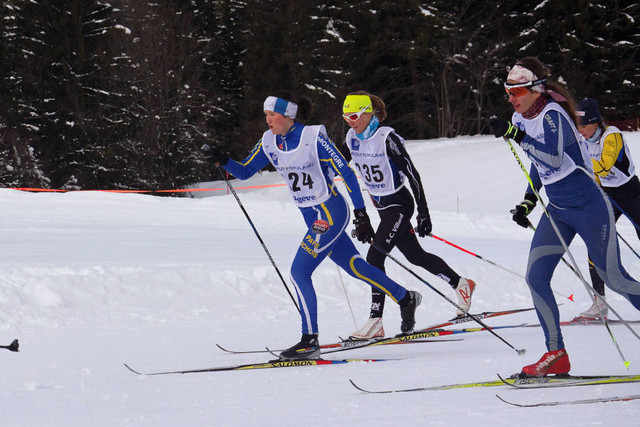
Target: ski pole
570 297
588 287
346 295
475 318
564 261
627 243
614 203
475 255
233 191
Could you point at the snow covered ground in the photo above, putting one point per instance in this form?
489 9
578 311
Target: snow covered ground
90 280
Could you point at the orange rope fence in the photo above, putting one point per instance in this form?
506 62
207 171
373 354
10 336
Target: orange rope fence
182 190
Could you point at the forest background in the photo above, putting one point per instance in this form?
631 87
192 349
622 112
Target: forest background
120 94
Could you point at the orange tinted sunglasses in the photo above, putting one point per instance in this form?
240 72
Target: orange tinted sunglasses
520 89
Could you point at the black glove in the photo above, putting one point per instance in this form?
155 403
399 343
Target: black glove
502 127
364 230
521 211
214 154
424 224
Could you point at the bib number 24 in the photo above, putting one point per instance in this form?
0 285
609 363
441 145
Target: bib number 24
302 179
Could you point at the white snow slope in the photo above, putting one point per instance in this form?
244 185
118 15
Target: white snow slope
89 280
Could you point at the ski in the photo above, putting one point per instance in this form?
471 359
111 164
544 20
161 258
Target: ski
581 320
14 346
566 380
349 344
576 321
573 402
516 381
416 337
405 339
264 365
494 383
469 318
341 345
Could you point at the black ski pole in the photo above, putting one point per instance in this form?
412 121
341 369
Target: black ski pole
475 318
233 191
14 346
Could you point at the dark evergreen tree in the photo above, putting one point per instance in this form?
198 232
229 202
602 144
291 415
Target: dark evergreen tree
51 83
389 57
121 94
289 45
19 165
164 100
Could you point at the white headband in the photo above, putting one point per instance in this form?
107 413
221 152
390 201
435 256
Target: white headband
282 106
519 74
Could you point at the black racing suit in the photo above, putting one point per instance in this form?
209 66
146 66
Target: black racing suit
395 228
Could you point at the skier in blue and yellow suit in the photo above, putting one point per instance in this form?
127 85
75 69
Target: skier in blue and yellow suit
308 161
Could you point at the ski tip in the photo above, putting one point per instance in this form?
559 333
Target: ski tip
132 370
358 387
502 399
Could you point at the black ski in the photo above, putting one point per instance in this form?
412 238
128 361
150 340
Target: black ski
14 346
573 402
263 365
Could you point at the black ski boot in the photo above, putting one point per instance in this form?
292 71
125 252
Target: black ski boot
408 306
307 348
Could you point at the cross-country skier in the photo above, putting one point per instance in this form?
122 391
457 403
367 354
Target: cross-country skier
383 162
614 169
544 124
308 161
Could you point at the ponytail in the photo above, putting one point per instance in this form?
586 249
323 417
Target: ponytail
534 65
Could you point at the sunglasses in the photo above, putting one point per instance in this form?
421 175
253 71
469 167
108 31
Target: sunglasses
352 117
519 89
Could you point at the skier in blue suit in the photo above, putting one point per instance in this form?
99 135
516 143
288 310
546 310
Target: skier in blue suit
544 124
308 161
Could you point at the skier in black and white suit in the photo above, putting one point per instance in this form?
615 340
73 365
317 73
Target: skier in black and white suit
383 162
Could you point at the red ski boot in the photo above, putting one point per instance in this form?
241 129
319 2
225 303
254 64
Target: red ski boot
552 362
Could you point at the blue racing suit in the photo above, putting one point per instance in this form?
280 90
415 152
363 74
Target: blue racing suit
577 206
334 243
